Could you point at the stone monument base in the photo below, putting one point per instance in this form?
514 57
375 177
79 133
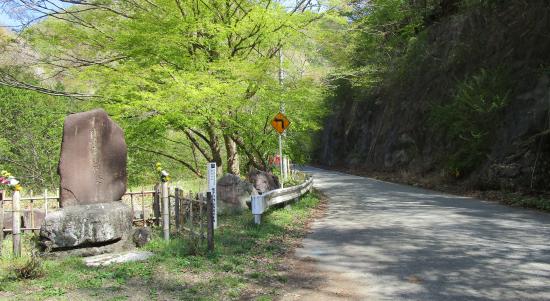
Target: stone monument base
87 230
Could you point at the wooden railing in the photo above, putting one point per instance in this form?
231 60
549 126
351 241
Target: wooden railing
191 212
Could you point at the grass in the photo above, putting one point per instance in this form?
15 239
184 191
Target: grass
246 264
539 202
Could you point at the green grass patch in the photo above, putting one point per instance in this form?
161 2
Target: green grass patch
538 202
245 264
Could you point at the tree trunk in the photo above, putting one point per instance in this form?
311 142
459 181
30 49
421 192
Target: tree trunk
257 162
215 148
232 155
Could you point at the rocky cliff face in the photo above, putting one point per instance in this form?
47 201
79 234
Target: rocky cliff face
392 128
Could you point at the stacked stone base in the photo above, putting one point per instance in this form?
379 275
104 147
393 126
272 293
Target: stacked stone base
87 230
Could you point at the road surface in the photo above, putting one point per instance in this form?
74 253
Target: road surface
396 242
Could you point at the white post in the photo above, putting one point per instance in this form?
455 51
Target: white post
165 211
212 180
16 225
258 208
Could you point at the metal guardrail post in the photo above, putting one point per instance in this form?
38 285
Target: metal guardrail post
260 203
258 208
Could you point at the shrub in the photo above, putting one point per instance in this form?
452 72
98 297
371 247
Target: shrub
30 269
472 115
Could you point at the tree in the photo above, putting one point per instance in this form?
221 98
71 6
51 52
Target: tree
205 70
31 128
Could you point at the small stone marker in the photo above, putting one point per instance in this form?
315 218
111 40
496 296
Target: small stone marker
108 259
92 165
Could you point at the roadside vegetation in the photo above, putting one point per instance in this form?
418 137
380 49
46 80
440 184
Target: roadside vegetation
449 92
248 263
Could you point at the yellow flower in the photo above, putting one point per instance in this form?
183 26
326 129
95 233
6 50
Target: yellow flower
159 169
18 187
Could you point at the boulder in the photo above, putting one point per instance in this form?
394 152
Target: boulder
86 226
233 194
142 236
92 165
263 181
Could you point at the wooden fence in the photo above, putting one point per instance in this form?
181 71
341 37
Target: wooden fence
194 214
187 212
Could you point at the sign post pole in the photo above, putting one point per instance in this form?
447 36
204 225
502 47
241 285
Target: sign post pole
211 166
281 159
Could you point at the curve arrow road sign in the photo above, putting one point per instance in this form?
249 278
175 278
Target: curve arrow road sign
280 123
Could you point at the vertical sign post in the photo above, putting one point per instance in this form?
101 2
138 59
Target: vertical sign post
211 166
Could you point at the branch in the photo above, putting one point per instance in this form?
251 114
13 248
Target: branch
189 166
10 81
258 163
197 145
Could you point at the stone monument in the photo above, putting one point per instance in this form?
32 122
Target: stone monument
92 167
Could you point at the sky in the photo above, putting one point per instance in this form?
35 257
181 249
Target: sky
8 7
5 20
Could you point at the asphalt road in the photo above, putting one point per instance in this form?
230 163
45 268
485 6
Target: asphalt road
396 242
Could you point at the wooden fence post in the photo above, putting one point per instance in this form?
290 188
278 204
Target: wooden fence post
169 204
192 229
177 207
132 206
16 225
165 211
31 214
210 213
45 203
156 204
143 207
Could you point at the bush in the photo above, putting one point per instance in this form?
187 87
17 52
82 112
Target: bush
31 269
471 117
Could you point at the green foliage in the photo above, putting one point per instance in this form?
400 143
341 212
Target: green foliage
472 116
31 135
181 65
30 269
540 202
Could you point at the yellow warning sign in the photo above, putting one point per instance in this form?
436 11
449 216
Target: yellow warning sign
280 123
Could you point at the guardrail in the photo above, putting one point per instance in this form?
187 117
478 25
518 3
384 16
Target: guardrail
261 203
